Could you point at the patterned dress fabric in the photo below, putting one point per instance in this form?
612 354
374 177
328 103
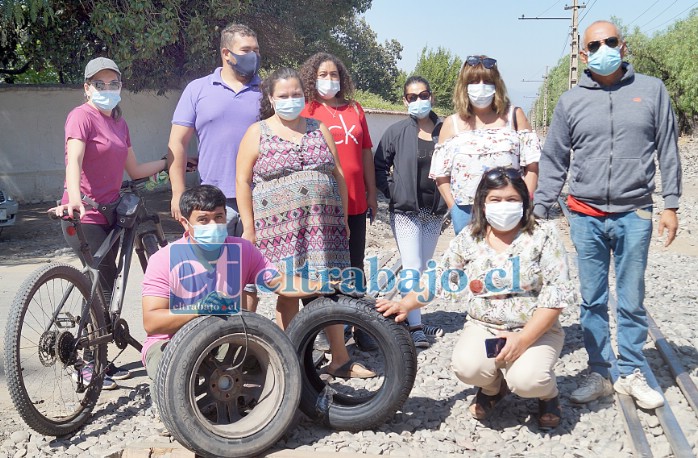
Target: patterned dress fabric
502 290
299 220
470 153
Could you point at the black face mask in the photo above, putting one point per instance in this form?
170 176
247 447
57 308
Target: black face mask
247 64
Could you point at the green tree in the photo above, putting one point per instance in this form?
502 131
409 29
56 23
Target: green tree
160 44
373 65
441 69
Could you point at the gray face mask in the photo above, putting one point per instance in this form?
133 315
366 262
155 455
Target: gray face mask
247 64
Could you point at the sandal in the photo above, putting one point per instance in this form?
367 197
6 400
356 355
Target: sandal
483 404
549 413
351 369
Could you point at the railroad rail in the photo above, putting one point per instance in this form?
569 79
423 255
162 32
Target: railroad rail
672 429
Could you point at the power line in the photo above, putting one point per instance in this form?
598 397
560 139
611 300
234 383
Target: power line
549 8
588 9
660 25
643 13
564 47
663 11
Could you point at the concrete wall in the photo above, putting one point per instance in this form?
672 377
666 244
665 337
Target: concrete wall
31 134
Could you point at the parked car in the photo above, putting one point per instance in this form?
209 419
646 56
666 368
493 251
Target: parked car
8 210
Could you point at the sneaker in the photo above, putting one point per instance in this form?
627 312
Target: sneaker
87 370
432 331
321 343
635 385
364 341
117 372
420 340
594 386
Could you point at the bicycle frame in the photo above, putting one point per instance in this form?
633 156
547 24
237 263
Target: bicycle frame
127 238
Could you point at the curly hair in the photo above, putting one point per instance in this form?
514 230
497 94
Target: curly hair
498 178
266 109
472 75
309 79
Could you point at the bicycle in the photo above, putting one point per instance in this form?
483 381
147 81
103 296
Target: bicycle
58 322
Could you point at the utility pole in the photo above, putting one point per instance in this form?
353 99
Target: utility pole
574 55
545 98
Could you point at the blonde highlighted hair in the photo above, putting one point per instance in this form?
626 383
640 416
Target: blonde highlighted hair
472 75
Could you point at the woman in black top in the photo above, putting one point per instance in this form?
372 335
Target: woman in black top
416 207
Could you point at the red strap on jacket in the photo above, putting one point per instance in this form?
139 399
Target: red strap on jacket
586 209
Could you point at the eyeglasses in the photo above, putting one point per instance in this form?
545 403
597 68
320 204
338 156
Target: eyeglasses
424 95
101 85
611 42
486 62
501 172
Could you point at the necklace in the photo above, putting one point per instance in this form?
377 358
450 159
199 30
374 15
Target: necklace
334 115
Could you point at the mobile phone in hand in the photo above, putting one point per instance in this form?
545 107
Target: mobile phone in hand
494 346
369 215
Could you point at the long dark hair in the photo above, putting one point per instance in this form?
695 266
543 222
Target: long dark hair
266 109
309 78
498 178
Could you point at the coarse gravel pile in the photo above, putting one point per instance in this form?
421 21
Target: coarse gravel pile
434 420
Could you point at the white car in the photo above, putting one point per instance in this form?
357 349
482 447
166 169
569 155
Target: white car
8 210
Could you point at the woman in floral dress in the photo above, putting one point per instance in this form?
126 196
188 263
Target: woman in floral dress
293 199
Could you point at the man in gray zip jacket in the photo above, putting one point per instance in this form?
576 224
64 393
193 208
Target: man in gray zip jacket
605 132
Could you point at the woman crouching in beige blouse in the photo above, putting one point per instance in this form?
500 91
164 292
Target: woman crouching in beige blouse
511 272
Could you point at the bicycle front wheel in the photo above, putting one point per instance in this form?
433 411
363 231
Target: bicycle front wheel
53 385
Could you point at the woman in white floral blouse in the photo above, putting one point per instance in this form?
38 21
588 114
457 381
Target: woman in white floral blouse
485 132
511 272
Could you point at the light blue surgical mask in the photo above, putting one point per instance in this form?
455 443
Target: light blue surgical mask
419 108
289 109
209 236
605 60
105 100
327 88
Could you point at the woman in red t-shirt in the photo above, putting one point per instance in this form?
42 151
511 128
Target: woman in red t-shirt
328 92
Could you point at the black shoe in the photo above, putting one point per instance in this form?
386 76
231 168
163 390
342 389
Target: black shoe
364 341
117 372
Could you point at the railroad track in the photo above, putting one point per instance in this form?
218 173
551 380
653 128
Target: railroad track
672 429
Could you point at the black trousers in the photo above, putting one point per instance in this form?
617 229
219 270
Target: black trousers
357 241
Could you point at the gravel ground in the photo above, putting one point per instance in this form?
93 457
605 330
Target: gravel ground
434 420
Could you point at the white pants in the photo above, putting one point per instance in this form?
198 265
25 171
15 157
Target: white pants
530 376
416 236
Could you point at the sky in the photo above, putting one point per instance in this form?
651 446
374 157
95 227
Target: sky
522 48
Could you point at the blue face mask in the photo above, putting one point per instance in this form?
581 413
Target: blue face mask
247 64
105 100
289 109
605 60
419 108
209 236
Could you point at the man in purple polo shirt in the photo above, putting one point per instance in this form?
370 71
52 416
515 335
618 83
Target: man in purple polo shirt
218 108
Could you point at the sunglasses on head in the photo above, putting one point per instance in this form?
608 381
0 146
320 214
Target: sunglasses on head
424 95
611 42
486 62
500 172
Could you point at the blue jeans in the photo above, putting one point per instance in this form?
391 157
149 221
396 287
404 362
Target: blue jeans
627 236
460 217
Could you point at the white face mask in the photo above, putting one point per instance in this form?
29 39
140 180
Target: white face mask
481 94
504 216
327 88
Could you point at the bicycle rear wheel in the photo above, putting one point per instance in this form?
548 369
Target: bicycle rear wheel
40 359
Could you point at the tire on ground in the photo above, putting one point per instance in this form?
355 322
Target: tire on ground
394 342
175 392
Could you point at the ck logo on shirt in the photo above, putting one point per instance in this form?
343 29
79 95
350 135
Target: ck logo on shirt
347 132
